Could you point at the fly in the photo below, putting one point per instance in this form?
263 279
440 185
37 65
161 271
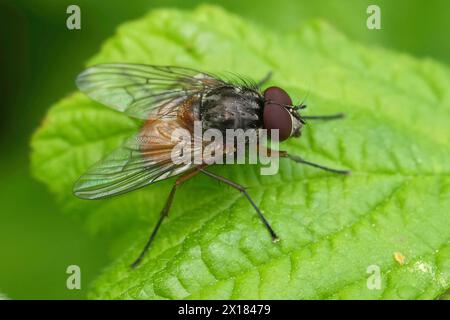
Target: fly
168 98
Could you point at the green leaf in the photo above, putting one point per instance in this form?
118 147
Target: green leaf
332 228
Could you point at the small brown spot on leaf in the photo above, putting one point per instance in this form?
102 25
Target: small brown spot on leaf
399 257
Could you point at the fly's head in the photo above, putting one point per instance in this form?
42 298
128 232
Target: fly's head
279 113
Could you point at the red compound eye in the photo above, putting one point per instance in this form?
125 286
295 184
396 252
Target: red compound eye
275 115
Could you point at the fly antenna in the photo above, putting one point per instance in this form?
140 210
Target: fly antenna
302 104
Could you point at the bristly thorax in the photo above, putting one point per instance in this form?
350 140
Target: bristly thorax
231 108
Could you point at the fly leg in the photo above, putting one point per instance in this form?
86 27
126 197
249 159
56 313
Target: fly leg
244 191
165 211
325 117
264 80
298 159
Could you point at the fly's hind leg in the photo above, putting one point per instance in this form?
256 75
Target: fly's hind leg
165 211
244 191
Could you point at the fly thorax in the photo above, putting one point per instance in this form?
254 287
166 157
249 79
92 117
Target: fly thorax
231 108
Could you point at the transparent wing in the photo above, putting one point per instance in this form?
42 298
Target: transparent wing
143 159
144 91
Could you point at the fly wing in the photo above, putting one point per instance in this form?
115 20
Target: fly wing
143 159
142 91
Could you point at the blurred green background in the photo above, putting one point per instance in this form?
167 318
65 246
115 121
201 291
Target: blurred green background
39 60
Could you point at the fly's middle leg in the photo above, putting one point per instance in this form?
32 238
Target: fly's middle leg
245 193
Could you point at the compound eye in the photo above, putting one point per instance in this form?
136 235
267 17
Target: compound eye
277 95
275 115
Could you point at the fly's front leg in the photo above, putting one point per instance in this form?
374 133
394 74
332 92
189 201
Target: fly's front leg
335 116
298 159
261 82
